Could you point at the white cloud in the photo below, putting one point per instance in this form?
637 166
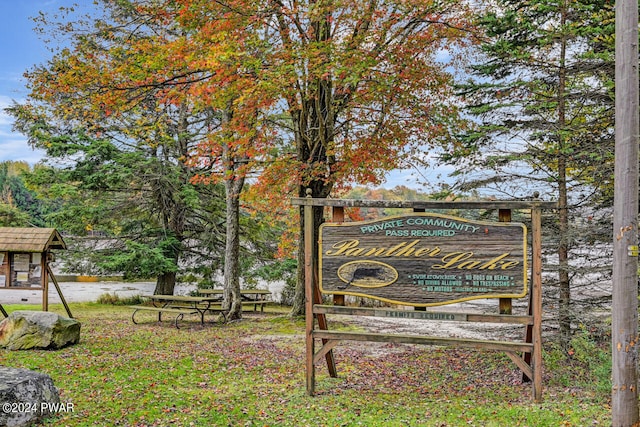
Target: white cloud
426 179
5 120
17 149
13 146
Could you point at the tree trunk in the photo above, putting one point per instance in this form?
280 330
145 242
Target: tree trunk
171 209
233 185
314 124
564 284
165 284
232 299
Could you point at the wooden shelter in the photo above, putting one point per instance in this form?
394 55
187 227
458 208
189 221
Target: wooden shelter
25 254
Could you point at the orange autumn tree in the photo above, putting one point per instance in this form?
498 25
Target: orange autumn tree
207 69
355 85
308 95
318 94
206 63
149 88
232 33
223 45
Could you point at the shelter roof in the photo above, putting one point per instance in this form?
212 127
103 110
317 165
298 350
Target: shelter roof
30 239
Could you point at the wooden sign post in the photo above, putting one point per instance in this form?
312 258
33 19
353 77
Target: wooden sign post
422 260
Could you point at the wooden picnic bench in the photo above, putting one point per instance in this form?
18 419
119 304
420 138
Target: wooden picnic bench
255 297
180 306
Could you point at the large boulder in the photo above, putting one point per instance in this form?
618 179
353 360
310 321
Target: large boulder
24 330
26 396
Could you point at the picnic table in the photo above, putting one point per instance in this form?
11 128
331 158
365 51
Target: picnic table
255 297
180 305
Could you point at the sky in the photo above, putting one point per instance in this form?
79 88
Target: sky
21 49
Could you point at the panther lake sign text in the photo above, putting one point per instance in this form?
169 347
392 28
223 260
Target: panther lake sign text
424 259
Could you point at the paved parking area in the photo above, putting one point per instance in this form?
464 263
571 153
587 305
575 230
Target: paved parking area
77 292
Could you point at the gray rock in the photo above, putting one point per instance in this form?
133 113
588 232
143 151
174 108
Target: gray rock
25 397
24 330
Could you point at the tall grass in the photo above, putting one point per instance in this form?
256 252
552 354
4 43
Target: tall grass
115 299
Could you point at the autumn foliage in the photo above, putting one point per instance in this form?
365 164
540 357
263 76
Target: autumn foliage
331 92
290 95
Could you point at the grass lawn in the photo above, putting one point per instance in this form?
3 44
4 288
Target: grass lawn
251 373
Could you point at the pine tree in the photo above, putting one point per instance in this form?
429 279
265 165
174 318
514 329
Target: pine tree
541 94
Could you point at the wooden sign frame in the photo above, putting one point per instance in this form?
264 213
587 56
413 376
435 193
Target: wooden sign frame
527 355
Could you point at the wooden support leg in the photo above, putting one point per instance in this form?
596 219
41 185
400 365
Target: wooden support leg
322 324
309 297
55 282
536 291
528 338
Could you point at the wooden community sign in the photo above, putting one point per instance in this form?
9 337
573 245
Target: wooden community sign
424 259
